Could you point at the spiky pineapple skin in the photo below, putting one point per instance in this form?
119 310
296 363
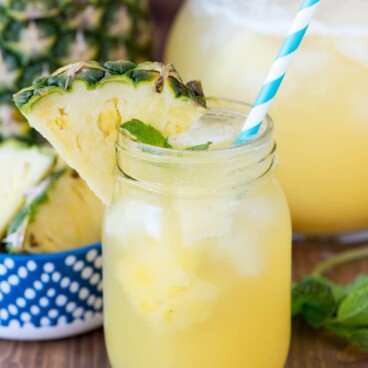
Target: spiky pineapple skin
80 107
94 74
37 37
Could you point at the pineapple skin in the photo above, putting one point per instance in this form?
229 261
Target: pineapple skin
37 37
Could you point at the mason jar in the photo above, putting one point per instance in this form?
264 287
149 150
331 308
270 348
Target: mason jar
197 254
321 109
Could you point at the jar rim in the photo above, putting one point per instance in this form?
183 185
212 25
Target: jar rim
253 143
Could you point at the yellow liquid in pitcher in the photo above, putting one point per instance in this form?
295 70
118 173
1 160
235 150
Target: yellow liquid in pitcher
320 112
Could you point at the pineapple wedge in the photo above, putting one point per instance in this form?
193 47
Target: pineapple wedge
21 167
60 213
79 108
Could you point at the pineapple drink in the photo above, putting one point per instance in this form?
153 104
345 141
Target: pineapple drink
321 109
196 244
197 252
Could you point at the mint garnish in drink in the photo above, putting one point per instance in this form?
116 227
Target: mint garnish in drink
146 133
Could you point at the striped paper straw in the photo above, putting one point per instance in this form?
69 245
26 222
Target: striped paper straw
278 70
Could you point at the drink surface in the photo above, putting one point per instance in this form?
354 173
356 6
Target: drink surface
193 278
320 112
219 127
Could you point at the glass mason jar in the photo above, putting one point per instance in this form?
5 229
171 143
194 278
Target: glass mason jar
197 255
321 109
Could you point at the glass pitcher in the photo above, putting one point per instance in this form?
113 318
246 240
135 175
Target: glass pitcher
321 109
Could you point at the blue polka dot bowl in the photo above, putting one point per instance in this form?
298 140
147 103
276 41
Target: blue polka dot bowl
50 296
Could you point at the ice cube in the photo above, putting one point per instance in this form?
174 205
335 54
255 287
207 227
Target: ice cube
130 223
247 246
203 132
204 219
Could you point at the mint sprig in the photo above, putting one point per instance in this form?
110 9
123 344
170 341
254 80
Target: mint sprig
340 309
146 133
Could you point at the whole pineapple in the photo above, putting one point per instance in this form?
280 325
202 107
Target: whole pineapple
38 36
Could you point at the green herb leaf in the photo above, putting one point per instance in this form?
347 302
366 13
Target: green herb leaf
353 310
148 134
361 280
342 310
145 133
358 336
200 147
315 299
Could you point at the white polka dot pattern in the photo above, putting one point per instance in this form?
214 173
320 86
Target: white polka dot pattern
22 272
9 263
50 291
13 280
21 302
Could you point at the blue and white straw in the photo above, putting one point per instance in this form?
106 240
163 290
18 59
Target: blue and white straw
278 70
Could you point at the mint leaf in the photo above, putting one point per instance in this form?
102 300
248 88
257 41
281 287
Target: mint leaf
315 299
358 282
358 336
342 310
353 310
145 133
200 147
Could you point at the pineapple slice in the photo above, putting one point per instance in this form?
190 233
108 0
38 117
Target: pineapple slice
21 167
61 213
79 108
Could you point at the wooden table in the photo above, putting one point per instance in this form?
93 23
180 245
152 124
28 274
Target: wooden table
309 348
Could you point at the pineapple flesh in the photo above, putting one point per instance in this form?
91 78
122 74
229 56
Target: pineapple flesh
79 108
21 167
60 213
37 37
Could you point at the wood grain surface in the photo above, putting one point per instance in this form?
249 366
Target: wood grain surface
309 348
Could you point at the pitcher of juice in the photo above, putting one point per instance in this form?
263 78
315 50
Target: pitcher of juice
197 252
321 110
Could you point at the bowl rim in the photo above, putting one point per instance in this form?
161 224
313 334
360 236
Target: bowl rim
50 256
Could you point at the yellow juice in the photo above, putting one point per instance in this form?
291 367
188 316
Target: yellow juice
321 111
197 257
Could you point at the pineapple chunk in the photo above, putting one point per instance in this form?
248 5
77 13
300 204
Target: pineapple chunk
21 167
79 108
164 291
61 213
